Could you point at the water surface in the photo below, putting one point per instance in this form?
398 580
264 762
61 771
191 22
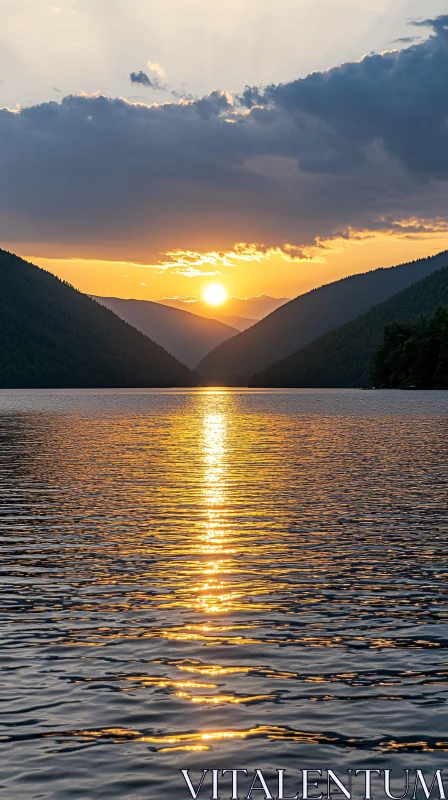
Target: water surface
219 579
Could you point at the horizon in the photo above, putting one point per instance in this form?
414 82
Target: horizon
198 306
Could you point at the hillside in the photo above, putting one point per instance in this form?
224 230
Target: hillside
186 336
53 336
413 355
341 357
298 322
240 323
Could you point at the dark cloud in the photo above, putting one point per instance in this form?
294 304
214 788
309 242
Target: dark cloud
438 24
396 100
143 79
213 105
407 39
140 77
251 96
362 146
181 95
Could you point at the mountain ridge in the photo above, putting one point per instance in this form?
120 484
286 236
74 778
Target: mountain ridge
239 323
307 317
187 336
53 336
255 307
341 357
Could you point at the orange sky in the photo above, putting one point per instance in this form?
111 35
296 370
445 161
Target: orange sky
272 276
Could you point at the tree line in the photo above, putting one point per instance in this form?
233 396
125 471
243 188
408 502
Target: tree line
413 355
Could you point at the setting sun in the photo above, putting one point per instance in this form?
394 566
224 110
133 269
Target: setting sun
215 294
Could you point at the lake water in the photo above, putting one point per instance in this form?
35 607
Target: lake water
219 579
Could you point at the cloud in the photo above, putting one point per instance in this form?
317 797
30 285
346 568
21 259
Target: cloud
281 168
189 259
182 94
140 77
395 102
158 70
407 39
143 79
186 298
438 24
192 272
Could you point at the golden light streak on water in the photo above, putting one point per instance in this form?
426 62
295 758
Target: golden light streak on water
216 577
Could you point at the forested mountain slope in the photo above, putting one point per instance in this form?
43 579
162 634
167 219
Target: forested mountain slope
298 322
341 357
413 355
53 336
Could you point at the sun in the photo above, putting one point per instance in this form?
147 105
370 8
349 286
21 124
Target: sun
214 294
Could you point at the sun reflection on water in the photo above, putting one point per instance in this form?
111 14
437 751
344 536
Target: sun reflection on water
207 570
213 594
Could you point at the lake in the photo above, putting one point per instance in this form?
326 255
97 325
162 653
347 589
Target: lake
219 579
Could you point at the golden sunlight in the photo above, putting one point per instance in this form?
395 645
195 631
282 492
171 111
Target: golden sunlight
214 294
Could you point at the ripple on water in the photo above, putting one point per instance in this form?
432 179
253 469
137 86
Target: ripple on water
202 577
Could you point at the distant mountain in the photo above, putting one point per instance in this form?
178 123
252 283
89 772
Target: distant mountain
342 357
240 323
249 308
53 336
186 336
300 321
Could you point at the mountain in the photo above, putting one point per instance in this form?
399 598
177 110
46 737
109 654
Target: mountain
413 355
53 336
240 323
186 336
341 357
248 308
310 315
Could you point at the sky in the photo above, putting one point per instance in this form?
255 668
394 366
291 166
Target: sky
151 147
